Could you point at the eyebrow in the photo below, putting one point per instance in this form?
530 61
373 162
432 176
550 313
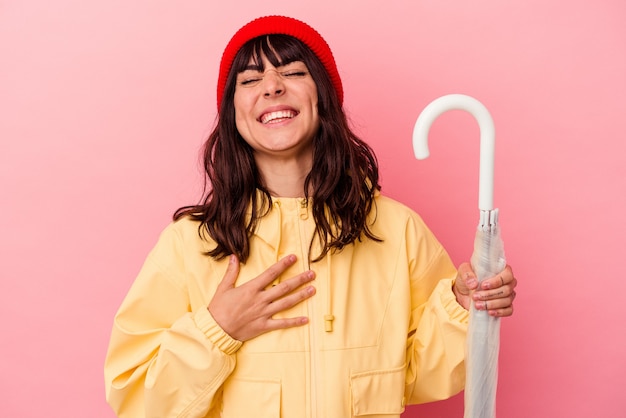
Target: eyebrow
257 67
252 67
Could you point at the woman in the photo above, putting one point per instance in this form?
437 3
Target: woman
295 288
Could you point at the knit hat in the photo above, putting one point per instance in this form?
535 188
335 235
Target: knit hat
269 25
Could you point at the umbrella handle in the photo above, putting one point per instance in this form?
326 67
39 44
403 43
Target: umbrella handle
487 138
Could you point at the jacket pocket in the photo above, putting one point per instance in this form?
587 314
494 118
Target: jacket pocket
379 392
259 398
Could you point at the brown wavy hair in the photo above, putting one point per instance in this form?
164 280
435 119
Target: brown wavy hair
341 184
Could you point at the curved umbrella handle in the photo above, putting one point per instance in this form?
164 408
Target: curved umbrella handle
487 138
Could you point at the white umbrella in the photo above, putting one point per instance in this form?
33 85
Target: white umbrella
483 342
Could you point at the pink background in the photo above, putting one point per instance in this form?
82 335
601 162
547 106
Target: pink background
104 106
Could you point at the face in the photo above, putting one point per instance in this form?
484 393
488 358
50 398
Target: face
276 109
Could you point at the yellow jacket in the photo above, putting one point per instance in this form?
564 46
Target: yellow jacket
398 334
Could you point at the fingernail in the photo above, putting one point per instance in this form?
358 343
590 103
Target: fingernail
471 282
291 258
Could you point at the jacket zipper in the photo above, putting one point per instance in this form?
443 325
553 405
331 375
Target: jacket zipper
304 214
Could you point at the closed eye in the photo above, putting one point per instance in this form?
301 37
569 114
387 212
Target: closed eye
250 81
253 75
293 74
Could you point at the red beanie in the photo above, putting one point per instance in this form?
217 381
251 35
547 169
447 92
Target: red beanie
269 25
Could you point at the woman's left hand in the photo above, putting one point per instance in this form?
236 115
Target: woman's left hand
494 295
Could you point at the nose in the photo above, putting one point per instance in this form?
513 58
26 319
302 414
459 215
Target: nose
273 84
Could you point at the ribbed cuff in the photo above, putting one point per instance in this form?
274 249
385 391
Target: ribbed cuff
455 311
204 320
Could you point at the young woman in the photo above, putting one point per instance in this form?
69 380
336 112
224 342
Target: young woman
295 289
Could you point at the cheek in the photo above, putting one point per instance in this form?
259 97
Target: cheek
240 114
242 127
241 102
314 103
316 115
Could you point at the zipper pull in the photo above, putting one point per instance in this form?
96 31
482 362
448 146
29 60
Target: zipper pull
304 209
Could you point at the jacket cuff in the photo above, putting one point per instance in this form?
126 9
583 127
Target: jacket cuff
455 311
227 344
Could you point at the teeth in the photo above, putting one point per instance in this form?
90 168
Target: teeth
277 116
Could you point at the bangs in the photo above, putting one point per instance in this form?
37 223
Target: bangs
279 50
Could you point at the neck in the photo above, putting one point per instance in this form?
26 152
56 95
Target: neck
285 178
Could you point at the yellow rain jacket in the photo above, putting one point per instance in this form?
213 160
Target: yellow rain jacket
384 327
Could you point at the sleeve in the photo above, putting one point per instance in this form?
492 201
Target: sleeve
165 360
438 324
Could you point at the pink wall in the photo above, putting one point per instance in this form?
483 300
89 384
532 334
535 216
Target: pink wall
105 104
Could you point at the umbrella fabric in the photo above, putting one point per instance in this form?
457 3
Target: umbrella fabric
483 341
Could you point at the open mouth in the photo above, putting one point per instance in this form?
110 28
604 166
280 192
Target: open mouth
278 116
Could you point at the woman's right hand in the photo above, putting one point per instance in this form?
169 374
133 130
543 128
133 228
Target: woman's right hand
247 311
